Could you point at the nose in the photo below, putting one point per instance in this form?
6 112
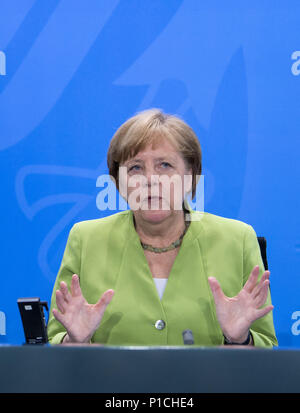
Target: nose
150 175
151 186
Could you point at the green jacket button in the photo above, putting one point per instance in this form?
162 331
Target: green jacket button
160 324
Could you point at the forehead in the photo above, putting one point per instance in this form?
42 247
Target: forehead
161 149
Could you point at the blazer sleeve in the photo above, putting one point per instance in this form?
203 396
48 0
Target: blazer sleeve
70 265
262 330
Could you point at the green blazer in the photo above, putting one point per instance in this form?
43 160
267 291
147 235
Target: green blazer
106 253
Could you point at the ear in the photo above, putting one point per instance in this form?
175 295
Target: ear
122 182
188 181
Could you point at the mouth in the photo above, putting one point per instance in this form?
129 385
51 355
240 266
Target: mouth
156 198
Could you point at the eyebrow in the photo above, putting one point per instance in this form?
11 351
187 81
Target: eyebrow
167 158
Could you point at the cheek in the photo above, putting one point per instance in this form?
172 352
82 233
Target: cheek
174 188
178 185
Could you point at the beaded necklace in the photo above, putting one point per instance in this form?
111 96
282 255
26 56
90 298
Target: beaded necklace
172 246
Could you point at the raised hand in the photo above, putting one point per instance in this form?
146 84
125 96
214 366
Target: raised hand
236 314
79 318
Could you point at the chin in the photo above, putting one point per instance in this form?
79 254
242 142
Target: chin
154 215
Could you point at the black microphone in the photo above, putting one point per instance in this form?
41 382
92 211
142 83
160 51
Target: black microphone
188 337
33 319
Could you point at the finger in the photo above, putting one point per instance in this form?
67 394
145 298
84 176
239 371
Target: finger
263 311
216 289
60 301
263 294
252 280
105 300
257 288
75 286
65 291
57 315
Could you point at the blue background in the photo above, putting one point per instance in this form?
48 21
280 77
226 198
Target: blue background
75 70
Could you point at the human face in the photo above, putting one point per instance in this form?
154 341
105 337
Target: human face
157 181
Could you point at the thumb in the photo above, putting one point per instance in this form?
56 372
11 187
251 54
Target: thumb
105 299
216 289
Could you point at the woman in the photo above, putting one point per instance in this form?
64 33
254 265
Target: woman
144 275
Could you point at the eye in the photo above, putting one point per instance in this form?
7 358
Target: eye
166 164
133 168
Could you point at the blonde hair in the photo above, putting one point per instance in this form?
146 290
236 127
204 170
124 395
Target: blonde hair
148 128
